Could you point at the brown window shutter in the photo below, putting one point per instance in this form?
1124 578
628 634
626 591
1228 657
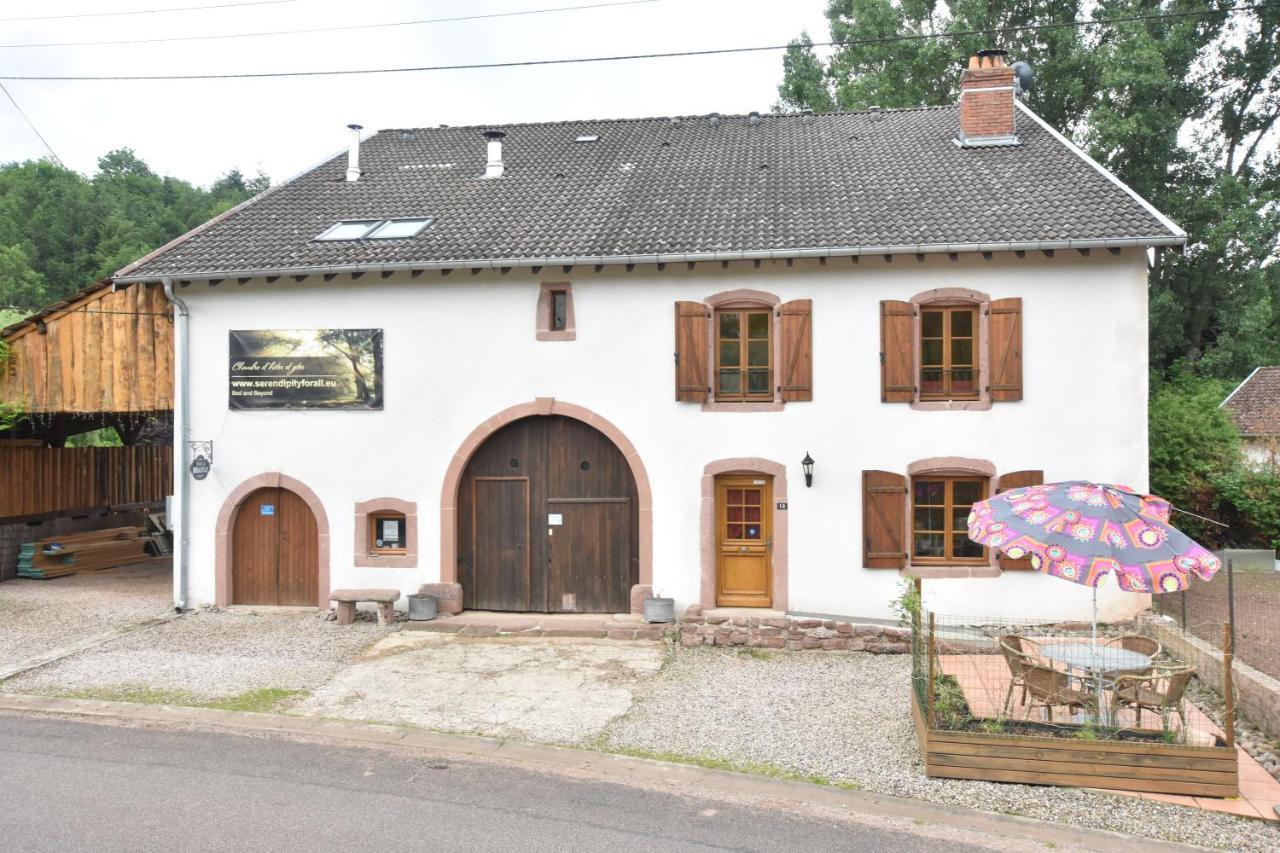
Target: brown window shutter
1006 350
1017 480
797 350
693 325
897 351
884 511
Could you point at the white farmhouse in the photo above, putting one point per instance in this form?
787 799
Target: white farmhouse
751 361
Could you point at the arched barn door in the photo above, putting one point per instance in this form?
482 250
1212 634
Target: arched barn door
275 550
548 521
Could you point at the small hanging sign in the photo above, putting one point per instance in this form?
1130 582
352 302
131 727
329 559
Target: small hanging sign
200 467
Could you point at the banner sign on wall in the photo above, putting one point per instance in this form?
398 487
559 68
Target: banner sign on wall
306 369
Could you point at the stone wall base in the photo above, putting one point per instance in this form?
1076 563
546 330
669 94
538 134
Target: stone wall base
786 632
448 597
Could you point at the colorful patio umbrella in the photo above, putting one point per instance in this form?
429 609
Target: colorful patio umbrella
1082 531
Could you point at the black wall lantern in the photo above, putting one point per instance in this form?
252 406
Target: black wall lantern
807 464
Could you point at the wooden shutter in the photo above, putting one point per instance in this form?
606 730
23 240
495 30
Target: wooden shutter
796 368
884 516
1005 329
693 325
897 351
1017 480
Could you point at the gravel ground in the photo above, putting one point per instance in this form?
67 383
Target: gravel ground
212 654
845 717
37 616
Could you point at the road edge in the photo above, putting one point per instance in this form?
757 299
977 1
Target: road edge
608 767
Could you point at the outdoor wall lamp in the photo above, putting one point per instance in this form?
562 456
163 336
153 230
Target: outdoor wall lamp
807 464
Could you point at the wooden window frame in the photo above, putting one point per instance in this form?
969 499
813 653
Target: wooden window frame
558 321
948 311
948 509
545 328
388 515
743 367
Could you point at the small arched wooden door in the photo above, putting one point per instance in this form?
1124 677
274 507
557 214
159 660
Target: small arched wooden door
548 521
275 550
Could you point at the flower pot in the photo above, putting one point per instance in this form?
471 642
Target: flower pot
659 610
422 608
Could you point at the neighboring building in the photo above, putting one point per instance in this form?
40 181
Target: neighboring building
1254 406
447 358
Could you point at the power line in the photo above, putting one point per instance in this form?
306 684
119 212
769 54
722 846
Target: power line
31 125
335 29
476 66
146 11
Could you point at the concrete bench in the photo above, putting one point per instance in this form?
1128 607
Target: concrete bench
348 599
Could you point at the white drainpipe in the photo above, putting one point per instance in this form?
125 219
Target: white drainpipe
179 523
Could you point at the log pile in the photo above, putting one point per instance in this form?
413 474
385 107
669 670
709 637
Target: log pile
92 550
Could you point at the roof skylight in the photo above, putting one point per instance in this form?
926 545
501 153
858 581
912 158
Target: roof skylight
376 229
588 137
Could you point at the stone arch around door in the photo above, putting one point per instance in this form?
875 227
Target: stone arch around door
707 524
226 524
547 406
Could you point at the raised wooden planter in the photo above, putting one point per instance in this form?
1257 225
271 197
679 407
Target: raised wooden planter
1156 768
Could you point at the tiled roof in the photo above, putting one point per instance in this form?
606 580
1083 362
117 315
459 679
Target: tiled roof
1255 404
779 183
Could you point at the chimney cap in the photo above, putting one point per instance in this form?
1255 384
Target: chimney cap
355 127
494 134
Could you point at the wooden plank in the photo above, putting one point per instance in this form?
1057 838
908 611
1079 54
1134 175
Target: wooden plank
1152 786
1124 747
1214 763
1213 777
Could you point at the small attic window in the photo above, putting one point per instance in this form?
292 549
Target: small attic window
399 228
354 229
588 137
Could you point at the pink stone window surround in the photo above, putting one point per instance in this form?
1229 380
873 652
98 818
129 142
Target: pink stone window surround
365 510
224 526
955 296
948 466
543 331
749 466
744 299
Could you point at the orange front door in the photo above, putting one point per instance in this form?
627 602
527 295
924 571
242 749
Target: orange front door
744 542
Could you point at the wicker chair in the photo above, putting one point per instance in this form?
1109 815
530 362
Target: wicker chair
1137 643
1019 653
1049 688
1159 690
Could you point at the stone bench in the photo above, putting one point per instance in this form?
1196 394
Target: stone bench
348 599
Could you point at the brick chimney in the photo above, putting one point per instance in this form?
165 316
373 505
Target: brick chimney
986 101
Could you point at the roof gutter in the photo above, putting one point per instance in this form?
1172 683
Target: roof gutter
179 514
1170 240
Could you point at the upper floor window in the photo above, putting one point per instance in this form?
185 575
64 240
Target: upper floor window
743 355
949 353
555 319
939 519
951 348
559 310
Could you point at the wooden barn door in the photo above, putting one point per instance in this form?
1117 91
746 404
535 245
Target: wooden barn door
275 550
548 521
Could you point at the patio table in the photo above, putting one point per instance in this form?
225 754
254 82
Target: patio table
1097 661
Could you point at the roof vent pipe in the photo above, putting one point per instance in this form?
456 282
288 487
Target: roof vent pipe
715 119
753 118
494 168
353 155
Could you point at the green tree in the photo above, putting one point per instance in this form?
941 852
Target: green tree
21 287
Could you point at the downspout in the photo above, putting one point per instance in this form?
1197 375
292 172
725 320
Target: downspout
181 484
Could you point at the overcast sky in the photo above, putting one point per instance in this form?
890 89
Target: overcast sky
199 129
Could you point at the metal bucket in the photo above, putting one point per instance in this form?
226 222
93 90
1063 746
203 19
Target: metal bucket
659 610
422 608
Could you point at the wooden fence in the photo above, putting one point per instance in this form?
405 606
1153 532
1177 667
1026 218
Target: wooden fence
42 480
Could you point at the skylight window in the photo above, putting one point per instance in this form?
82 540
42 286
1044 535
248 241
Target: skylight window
352 230
376 229
394 228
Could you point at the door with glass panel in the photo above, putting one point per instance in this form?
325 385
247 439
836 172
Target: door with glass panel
744 542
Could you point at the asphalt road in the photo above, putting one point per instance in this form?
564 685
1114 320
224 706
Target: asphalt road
70 786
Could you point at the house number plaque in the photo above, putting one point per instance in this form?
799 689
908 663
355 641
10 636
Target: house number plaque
782 504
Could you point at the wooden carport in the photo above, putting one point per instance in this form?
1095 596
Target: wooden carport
102 357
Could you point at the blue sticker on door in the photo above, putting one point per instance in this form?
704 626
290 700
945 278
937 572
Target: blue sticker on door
266 509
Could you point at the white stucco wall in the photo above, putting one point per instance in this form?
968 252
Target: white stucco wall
461 348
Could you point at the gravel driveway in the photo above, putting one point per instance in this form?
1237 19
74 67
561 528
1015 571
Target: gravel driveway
211 654
40 615
845 717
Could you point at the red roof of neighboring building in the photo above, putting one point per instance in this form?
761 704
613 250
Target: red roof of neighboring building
1255 404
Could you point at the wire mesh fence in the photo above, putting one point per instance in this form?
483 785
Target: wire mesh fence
1024 678
1247 597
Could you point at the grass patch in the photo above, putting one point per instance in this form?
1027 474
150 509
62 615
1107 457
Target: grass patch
263 700
753 652
772 771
